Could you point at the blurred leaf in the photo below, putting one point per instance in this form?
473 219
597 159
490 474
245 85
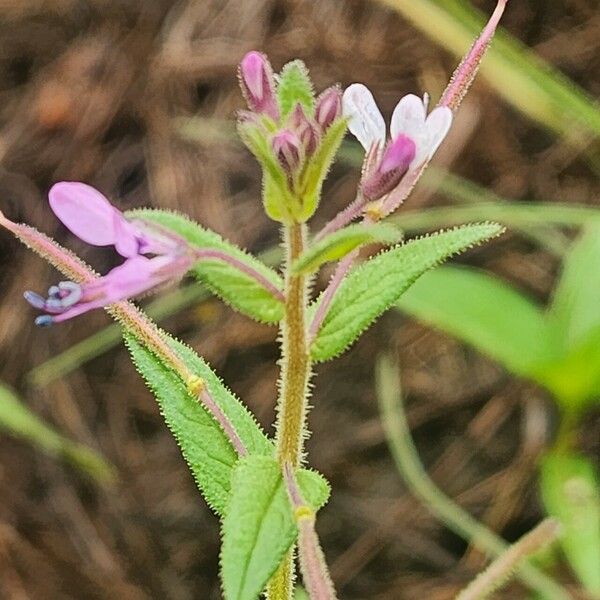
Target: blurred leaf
576 304
294 86
338 244
570 493
204 445
516 73
259 527
235 287
20 421
484 312
373 287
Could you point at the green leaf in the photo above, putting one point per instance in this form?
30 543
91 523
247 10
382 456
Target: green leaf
575 308
373 287
20 421
238 289
280 205
205 447
342 242
294 86
570 493
485 312
259 528
318 166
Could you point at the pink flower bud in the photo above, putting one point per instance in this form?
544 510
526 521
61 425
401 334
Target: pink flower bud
288 150
329 107
393 165
258 84
305 129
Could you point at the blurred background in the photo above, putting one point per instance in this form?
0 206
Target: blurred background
137 98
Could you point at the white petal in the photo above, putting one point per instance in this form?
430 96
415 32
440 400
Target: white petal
365 120
408 117
437 125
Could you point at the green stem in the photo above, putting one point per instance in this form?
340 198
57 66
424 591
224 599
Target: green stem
293 387
458 520
295 367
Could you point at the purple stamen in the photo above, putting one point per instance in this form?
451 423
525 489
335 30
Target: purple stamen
35 300
70 293
44 321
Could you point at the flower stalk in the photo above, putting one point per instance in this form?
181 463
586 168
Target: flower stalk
132 319
314 569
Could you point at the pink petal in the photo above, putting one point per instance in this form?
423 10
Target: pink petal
437 125
408 117
126 236
365 120
84 211
135 276
91 217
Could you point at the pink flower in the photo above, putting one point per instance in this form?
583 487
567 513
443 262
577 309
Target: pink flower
415 136
137 275
92 218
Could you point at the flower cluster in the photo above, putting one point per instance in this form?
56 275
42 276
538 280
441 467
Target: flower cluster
287 128
153 257
296 136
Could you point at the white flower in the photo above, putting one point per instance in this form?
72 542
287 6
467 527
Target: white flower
409 118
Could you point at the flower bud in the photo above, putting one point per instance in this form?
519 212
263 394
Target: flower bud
258 84
305 129
287 148
393 165
329 107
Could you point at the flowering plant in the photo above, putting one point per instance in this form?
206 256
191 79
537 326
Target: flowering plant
261 488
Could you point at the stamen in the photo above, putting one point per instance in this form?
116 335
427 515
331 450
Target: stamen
35 300
44 321
70 293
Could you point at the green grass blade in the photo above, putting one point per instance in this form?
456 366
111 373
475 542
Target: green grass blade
406 457
523 79
18 420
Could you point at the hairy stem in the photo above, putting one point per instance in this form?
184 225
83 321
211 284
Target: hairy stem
499 571
312 560
295 364
293 387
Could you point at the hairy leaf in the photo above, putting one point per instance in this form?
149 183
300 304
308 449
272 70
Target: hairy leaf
259 527
277 200
20 421
204 446
570 493
318 167
294 86
373 287
485 312
342 242
575 309
240 290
